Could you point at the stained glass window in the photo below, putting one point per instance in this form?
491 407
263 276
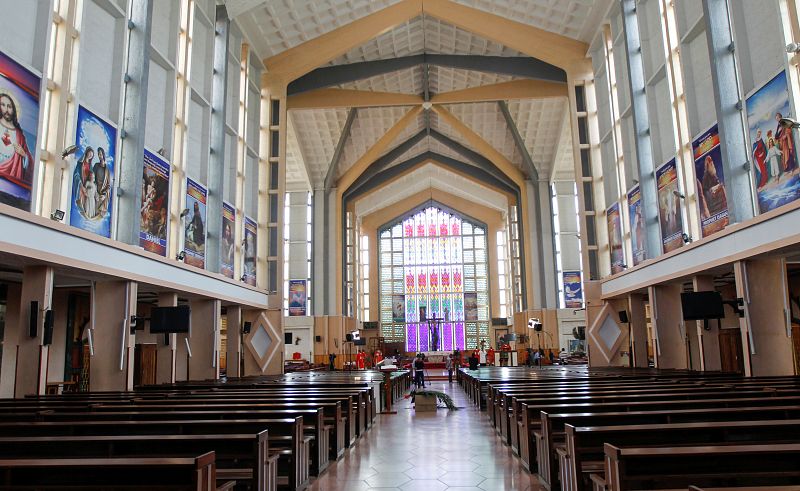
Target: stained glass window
435 261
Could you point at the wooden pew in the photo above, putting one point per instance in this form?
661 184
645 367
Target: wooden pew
584 450
112 474
241 457
633 468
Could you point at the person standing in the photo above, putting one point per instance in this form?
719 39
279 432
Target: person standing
419 372
332 361
537 358
448 364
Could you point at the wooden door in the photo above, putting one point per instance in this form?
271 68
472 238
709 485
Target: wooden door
145 364
730 350
796 343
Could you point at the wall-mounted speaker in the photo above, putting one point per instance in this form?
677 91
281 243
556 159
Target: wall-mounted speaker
623 316
246 327
48 328
318 339
348 337
33 319
287 338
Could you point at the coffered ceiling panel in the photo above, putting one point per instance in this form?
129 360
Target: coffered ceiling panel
540 123
408 81
446 79
318 132
486 120
295 166
368 127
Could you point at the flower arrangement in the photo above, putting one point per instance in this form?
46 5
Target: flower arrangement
440 396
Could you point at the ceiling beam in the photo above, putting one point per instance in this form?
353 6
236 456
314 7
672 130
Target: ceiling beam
295 62
304 170
386 159
562 135
377 149
333 169
337 98
482 146
533 172
518 66
471 156
552 48
515 89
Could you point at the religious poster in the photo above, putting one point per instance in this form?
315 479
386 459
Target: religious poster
711 196
195 231
297 297
774 153
615 238
573 290
636 216
154 208
669 206
471 306
93 175
19 126
250 235
398 308
228 245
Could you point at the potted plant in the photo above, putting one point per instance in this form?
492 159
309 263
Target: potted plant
426 400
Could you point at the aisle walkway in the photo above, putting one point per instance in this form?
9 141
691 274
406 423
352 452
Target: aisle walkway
429 452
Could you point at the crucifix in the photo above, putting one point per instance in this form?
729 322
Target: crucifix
433 329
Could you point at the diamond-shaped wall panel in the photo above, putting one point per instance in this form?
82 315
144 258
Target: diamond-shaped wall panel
540 123
446 79
263 342
566 17
318 132
277 25
486 120
408 81
368 127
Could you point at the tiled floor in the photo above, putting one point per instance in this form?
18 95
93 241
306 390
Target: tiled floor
428 452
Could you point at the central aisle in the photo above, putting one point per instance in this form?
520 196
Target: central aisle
430 452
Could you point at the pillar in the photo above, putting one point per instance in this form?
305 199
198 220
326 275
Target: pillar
31 371
111 367
735 154
707 340
11 336
765 329
668 326
204 340
234 341
132 128
638 321
165 354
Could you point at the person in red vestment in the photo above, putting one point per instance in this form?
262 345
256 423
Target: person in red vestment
15 158
378 357
490 356
361 360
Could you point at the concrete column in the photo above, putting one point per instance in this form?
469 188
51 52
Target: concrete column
234 341
132 132
165 355
668 326
216 159
330 254
733 145
537 242
11 336
111 367
547 253
318 238
31 371
638 320
770 341
707 340
204 340
641 122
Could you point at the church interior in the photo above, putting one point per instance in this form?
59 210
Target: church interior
400 244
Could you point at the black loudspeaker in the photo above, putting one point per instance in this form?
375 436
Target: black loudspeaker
623 316
48 328
33 319
287 338
348 337
318 339
246 327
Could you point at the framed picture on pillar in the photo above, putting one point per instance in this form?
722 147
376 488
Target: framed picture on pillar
636 217
573 290
773 147
154 208
615 238
250 236
228 244
195 230
710 182
92 196
670 211
297 297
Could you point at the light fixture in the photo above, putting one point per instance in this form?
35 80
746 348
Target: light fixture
184 212
162 152
624 266
70 150
181 255
427 105
686 238
793 48
57 215
244 277
789 123
678 194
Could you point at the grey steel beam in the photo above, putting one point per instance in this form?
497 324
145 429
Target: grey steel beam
471 156
337 154
518 66
735 155
533 172
383 161
641 123
137 72
216 158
